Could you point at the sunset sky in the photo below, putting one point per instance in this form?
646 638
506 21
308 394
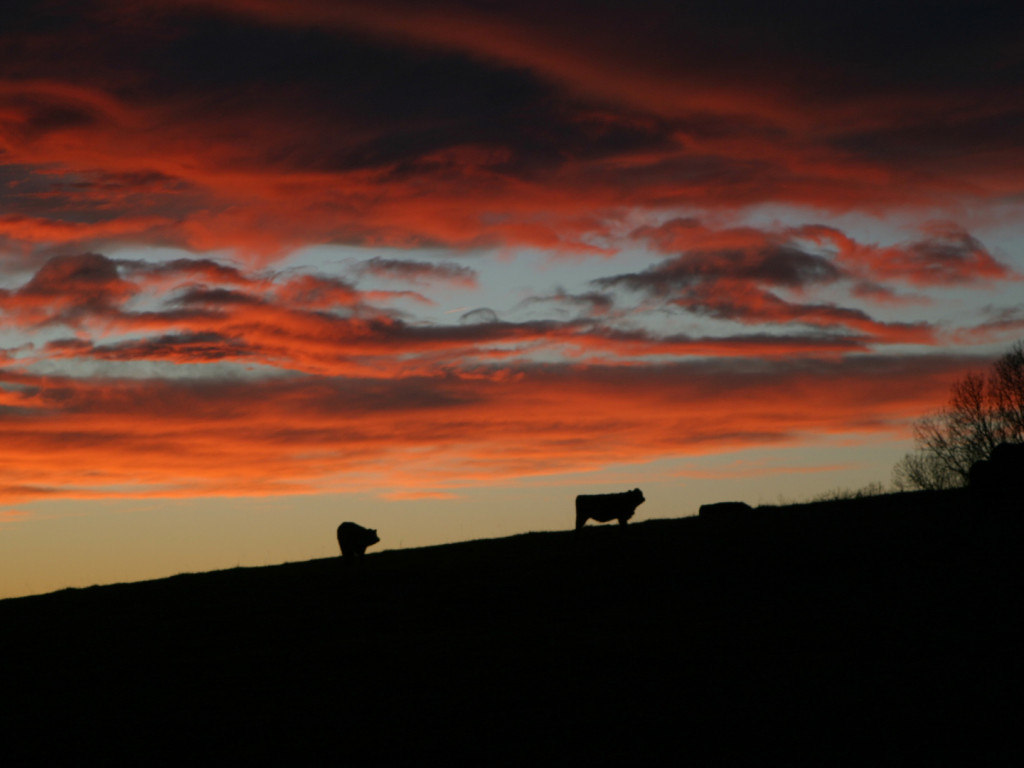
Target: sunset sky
436 268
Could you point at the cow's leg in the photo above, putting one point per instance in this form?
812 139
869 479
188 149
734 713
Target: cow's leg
581 520
622 520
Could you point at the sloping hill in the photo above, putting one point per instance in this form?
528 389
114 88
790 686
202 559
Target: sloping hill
877 631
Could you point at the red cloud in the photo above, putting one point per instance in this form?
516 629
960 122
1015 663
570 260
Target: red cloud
39 230
566 128
738 275
946 255
68 289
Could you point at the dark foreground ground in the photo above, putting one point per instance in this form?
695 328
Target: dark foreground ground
873 632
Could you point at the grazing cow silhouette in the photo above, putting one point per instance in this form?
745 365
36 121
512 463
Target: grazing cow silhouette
354 539
727 512
603 507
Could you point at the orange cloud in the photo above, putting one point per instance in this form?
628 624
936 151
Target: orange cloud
73 438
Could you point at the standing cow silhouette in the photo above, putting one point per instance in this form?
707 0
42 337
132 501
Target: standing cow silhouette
603 507
354 539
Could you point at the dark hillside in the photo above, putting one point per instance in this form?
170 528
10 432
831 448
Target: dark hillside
869 632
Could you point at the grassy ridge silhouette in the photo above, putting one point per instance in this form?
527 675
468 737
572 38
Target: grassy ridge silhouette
868 631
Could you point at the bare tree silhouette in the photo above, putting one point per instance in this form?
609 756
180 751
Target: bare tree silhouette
984 410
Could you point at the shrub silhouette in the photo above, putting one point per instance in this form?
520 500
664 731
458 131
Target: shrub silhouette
1002 472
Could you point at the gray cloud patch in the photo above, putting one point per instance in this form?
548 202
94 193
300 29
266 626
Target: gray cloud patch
589 302
780 265
419 272
484 315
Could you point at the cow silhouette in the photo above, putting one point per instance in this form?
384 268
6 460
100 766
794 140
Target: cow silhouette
603 507
727 512
354 539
